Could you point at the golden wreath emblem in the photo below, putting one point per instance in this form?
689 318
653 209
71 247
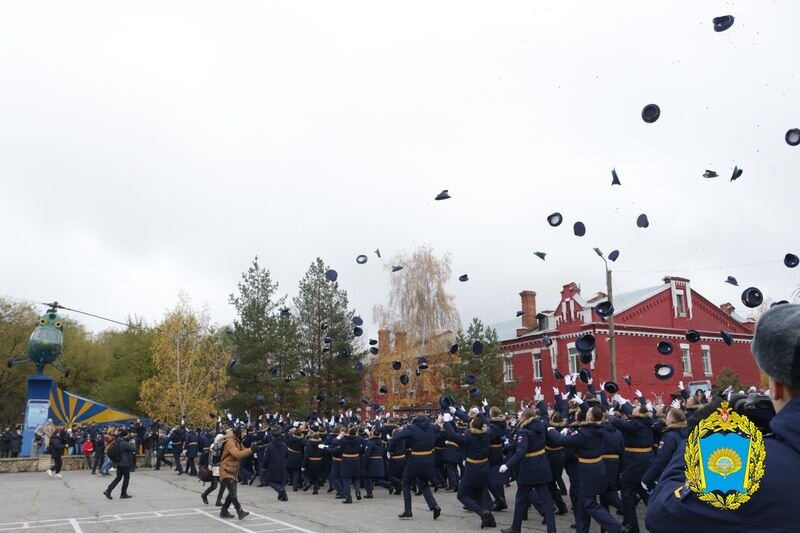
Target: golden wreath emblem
725 459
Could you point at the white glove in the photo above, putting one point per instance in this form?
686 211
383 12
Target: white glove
649 405
676 404
645 487
551 428
568 380
388 455
503 469
591 380
538 391
484 402
452 410
556 392
447 417
565 431
579 397
611 411
680 385
638 393
322 446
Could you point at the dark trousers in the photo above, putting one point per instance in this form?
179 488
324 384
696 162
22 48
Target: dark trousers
162 459
214 484
88 458
611 498
190 468
176 456
630 488
280 488
555 493
422 470
4 453
123 473
544 504
497 483
451 471
232 487
472 498
57 463
346 481
590 508
294 477
98 462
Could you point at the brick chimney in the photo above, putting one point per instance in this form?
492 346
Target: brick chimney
400 342
727 308
383 340
529 320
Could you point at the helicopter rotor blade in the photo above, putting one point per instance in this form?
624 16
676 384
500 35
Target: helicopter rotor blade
59 306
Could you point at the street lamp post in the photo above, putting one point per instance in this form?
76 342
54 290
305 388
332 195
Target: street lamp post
612 345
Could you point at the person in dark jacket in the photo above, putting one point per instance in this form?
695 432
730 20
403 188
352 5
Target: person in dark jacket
99 452
420 438
638 433
613 452
476 444
294 461
312 461
16 443
592 480
672 437
5 443
275 460
57 446
176 437
534 475
127 455
396 454
773 507
192 446
373 465
161 451
555 457
350 447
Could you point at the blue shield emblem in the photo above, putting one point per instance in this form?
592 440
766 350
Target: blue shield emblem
725 459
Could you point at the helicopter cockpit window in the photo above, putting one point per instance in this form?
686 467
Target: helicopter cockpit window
46 334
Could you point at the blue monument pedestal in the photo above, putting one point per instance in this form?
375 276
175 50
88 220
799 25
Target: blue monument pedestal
37 409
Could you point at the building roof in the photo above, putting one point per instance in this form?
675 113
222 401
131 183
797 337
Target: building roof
507 329
626 300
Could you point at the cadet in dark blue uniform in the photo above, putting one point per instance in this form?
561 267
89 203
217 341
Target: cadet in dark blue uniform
396 453
372 463
294 445
451 457
177 438
192 445
498 434
275 460
555 457
350 447
587 440
312 461
638 436
672 437
420 437
475 444
534 470
613 452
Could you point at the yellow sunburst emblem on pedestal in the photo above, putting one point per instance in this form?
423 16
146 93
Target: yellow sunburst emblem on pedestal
724 462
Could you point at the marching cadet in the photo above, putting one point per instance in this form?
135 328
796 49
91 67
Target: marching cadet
555 458
673 436
772 503
591 478
497 438
191 446
176 439
373 465
613 451
336 461
638 434
349 446
262 438
396 452
475 443
420 437
312 461
534 475
161 451
294 444
452 460
275 459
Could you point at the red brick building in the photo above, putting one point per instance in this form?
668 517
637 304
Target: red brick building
642 318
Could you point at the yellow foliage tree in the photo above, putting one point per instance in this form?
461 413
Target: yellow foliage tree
190 357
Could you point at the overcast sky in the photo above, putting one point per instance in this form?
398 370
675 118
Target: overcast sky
152 147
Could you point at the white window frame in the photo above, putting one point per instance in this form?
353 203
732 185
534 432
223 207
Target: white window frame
573 359
537 369
705 350
508 368
686 364
680 296
395 385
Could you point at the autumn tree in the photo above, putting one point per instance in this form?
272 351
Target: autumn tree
486 367
130 364
17 322
421 310
322 310
190 357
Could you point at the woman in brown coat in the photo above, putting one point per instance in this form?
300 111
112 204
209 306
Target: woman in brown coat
232 454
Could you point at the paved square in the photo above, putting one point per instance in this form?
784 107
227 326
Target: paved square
164 501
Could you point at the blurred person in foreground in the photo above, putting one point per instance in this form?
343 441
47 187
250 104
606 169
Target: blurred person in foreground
772 505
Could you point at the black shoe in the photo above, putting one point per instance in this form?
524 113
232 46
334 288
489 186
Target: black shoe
405 514
347 501
203 497
499 505
223 513
437 512
125 496
391 490
368 496
487 520
218 504
107 494
283 496
315 492
306 487
339 497
562 511
358 496
242 513
252 479
509 530
262 484
330 489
